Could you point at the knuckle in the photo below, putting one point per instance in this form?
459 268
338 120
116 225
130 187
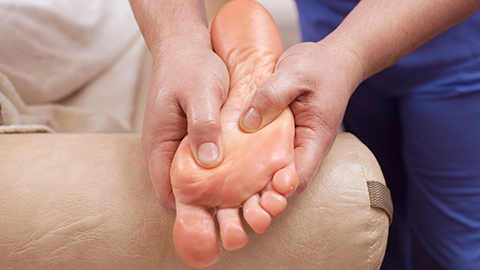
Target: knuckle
159 149
203 126
166 200
146 143
268 98
163 201
302 185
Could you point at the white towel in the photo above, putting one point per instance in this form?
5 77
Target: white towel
68 66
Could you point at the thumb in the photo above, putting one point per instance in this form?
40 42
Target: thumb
269 100
205 132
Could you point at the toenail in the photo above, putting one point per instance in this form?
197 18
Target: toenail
289 192
208 154
252 119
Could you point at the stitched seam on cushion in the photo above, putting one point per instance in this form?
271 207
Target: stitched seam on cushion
370 254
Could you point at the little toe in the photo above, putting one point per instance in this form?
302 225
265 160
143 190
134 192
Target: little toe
258 219
195 236
285 181
273 202
231 230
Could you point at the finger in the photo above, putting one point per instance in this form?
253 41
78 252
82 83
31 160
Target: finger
205 130
159 163
231 230
160 139
270 99
313 140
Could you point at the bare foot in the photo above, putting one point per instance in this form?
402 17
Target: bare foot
258 169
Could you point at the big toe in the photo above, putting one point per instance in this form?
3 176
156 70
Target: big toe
195 236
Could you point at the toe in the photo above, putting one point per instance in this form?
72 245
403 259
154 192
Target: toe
285 181
195 236
258 219
231 230
273 202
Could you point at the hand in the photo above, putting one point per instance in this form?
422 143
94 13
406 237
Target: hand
316 80
189 85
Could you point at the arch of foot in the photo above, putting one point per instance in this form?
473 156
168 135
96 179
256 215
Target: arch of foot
110 215
258 169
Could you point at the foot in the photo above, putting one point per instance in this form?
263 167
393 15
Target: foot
258 169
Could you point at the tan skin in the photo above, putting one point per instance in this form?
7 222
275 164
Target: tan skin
189 85
257 169
314 79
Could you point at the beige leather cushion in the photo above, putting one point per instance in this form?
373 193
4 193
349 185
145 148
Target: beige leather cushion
85 202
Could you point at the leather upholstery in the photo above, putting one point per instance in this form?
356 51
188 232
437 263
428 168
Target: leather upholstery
71 201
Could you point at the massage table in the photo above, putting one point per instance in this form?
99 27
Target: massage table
85 201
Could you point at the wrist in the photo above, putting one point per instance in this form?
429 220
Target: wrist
172 23
347 61
180 43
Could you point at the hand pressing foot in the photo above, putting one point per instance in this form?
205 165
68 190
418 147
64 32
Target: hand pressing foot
258 169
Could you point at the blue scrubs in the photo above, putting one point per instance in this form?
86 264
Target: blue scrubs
421 119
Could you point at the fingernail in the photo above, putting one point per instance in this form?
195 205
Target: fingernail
252 119
208 153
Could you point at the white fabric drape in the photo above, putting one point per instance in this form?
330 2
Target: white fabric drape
68 66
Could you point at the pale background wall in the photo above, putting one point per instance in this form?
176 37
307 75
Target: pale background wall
284 12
